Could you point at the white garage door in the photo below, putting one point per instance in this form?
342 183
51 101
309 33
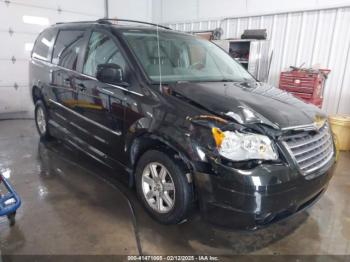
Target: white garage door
20 23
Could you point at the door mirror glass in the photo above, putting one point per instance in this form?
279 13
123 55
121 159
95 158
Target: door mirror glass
110 73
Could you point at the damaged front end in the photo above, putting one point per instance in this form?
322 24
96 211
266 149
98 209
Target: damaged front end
243 175
233 143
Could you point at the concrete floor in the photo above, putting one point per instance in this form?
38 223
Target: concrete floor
73 205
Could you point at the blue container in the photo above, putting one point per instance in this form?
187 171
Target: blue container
9 202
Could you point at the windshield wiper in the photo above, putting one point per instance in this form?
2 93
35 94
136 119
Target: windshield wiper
244 80
226 80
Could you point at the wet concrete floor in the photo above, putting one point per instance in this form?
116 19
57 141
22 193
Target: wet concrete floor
74 205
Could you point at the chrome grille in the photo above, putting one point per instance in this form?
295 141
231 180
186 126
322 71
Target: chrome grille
311 150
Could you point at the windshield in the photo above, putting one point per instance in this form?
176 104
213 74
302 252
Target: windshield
183 57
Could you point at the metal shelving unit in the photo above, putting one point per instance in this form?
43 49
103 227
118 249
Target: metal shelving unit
250 53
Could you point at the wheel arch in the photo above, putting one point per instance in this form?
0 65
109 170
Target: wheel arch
36 94
145 142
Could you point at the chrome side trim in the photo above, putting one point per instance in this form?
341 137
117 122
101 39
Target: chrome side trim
88 133
56 125
79 127
60 116
118 133
98 152
87 76
100 139
105 91
84 151
53 123
78 140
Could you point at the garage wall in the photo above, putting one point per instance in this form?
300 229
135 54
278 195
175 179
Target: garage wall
180 10
18 36
315 37
310 37
131 9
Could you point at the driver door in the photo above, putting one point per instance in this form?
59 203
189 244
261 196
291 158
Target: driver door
101 104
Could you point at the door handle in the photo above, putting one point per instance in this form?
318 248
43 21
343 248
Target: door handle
82 87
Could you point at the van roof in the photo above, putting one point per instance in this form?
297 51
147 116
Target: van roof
116 23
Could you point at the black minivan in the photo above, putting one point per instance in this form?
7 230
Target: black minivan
179 119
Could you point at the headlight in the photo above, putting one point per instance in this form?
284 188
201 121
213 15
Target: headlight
240 146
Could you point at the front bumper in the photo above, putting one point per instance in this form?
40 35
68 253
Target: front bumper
250 199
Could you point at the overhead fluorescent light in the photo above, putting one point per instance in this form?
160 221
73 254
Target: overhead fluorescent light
28 46
36 20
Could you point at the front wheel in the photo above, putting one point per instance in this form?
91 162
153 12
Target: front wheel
163 188
42 120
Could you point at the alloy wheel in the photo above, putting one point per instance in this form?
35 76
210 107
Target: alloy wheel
158 187
41 120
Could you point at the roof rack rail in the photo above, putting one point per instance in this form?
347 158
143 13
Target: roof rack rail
107 20
76 22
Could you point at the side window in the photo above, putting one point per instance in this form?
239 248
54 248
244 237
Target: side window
43 45
68 45
101 50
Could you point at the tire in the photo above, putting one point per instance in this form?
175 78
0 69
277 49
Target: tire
156 198
42 120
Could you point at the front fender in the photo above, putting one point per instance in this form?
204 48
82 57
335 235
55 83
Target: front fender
144 134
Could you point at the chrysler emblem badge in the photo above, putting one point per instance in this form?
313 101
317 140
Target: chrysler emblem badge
319 122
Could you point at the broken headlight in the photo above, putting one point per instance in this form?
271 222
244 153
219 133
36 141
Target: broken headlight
239 146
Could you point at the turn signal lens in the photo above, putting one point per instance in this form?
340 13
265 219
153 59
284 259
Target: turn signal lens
218 136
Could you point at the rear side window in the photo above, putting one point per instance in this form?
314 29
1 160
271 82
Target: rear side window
68 45
43 45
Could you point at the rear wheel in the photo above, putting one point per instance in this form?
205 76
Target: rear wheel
163 188
41 120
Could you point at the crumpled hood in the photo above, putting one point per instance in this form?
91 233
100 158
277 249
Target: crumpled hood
251 102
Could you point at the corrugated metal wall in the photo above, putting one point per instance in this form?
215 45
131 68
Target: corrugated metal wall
309 38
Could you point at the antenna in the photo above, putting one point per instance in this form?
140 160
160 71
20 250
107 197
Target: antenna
159 65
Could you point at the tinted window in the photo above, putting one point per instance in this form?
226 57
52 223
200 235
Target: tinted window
43 45
67 48
101 50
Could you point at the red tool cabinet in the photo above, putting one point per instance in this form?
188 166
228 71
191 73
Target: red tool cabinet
306 84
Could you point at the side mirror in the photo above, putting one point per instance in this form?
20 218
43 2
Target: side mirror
110 74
